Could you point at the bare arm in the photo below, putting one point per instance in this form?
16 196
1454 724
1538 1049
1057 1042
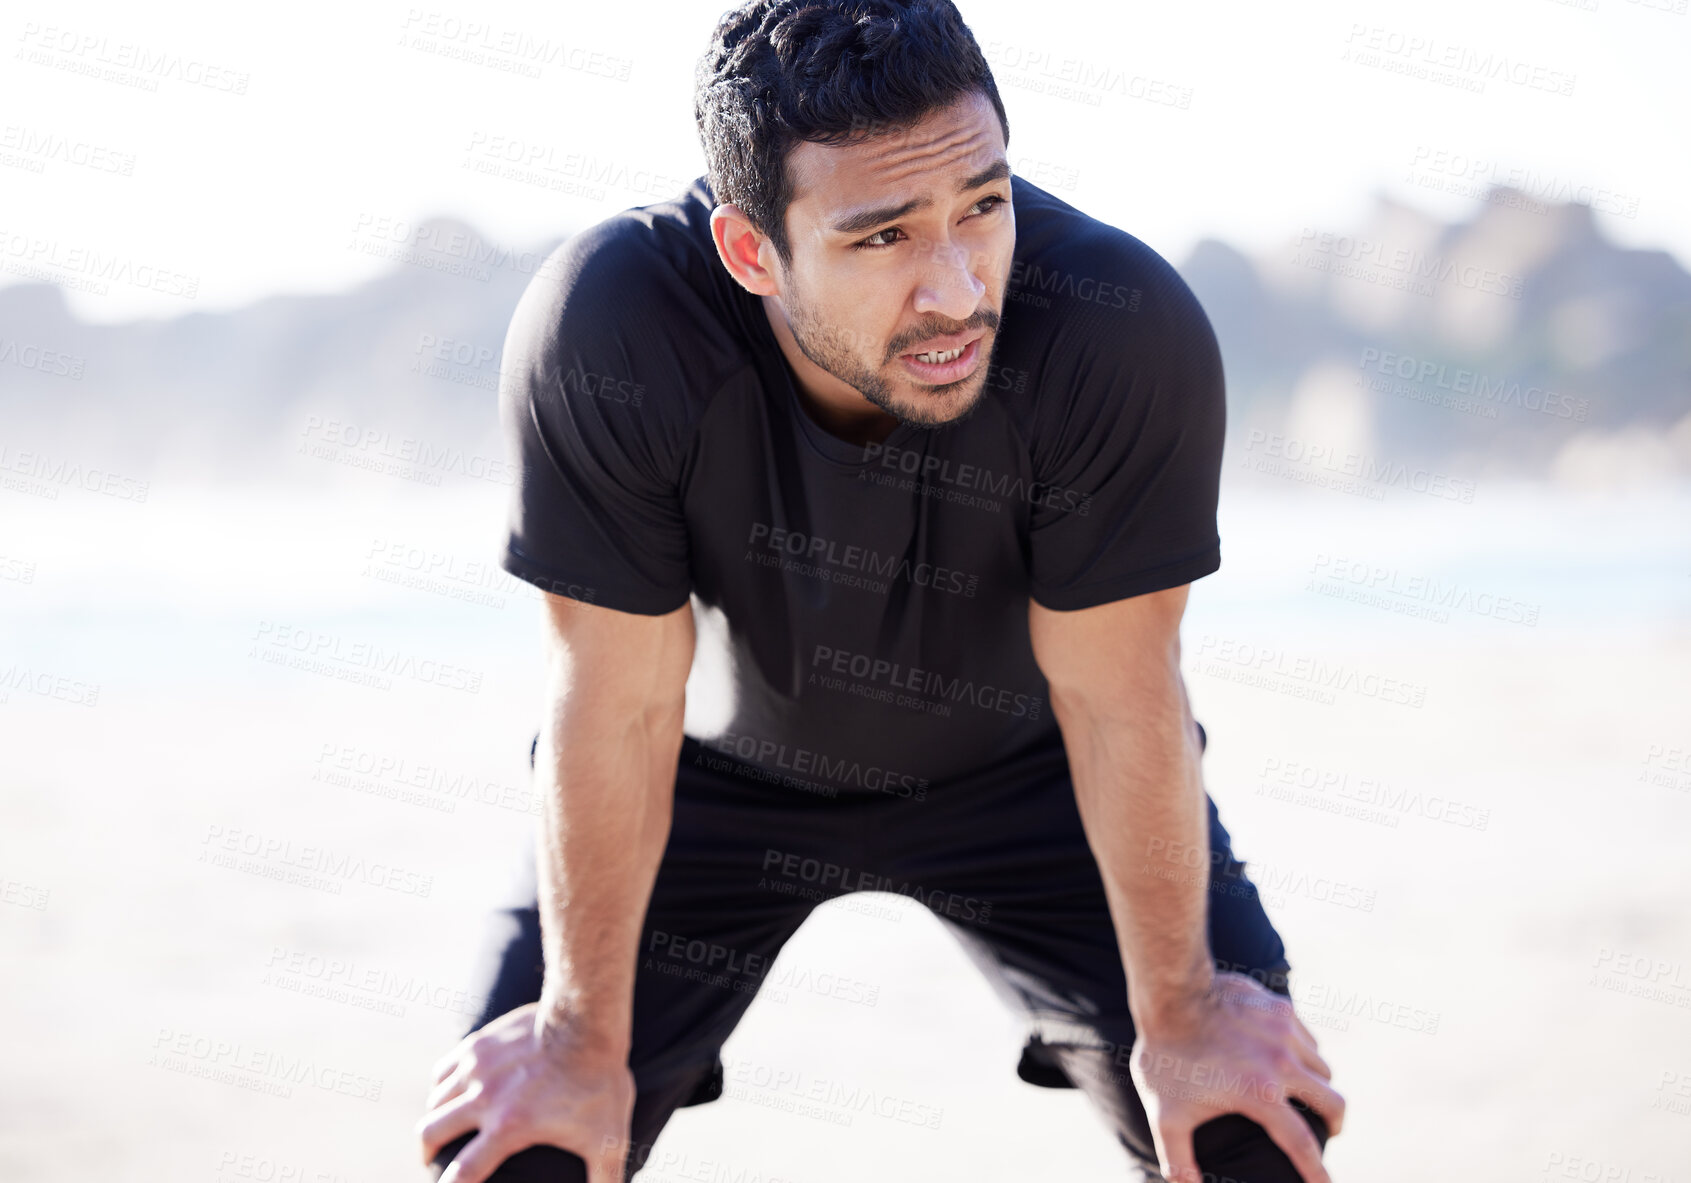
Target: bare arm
615 692
1119 700
556 1073
1207 1043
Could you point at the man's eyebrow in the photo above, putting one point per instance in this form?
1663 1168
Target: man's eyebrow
868 219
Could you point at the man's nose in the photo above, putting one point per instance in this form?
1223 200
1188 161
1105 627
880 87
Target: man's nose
948 285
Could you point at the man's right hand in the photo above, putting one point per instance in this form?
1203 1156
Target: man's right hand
521 1083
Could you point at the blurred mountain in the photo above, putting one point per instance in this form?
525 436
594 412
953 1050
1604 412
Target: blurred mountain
1519 341
412 355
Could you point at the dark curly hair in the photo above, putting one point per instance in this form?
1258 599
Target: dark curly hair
781 72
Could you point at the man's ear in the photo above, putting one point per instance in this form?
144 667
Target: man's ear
740 247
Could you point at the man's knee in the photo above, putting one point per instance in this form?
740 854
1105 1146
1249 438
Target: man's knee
1230 1148
1234 1149
537 1164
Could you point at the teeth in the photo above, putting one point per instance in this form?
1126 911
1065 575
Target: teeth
940 358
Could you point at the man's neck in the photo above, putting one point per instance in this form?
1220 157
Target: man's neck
837 409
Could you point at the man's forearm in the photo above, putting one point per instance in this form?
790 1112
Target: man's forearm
608 801
1141 799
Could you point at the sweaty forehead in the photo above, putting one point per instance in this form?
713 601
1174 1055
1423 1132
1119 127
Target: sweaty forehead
905 163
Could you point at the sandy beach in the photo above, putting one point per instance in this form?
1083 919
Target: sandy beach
1472 837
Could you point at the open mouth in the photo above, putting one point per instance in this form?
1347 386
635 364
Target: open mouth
943 365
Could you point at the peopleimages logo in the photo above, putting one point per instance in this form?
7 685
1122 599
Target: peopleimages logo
1032 278
1433 59
1323 464
368 987
313 866
1456 380
1425 596
896 676
141 66
973 477
835 770
263 1070
38 147
733 969
93 270
54 471
1367 798
46 361
1271 668
1472 175
1371 258
829 876
814 549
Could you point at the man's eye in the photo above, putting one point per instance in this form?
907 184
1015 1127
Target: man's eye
870 243
992 201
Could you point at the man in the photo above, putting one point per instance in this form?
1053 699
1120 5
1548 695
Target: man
935 456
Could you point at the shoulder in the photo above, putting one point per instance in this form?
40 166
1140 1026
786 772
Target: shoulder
630 310
1095 290
1119 348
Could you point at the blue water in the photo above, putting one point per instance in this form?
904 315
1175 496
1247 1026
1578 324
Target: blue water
178 591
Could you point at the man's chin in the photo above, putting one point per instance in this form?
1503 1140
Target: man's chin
935 406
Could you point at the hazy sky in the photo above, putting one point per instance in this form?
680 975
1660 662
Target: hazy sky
187 160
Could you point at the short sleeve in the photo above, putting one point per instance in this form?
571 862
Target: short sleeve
594 407
1128 439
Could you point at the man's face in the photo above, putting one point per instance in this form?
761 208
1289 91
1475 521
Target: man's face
902 245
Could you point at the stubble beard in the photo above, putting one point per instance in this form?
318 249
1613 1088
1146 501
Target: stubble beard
829 348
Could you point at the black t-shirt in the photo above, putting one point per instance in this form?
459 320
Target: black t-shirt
871 601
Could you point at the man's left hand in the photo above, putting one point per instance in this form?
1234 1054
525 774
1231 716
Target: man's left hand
1239 1049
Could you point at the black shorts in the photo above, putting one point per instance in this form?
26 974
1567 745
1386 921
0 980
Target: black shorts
1003 863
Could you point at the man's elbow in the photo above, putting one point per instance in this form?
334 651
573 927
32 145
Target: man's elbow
1113 661
1150 690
